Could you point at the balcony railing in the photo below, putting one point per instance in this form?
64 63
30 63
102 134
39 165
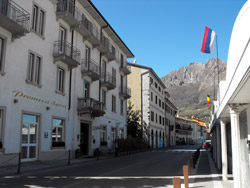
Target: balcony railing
125 92
125 69
14 18
85 27
111 54
67 11
65 52
90 106
104 44
108 81
91 69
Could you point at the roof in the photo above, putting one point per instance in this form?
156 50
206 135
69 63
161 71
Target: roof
97 16
150 69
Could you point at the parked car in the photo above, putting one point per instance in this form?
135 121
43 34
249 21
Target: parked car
206 144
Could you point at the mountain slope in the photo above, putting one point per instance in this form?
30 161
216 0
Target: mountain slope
190 85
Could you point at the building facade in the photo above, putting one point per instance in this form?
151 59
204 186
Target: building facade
63 80
148 95
230 125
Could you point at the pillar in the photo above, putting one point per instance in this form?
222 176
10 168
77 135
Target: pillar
235 131
218 147
224 150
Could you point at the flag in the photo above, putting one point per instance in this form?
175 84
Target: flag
208 41
208 99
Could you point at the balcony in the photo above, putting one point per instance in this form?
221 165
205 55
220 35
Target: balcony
67 11
94 38
108 81
90 106
90 69
65 52
125 69
14 19
104 45
111 54
84 28
125 92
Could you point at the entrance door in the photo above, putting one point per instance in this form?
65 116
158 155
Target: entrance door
84 138
29 137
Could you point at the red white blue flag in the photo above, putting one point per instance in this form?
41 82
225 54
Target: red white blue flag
208 41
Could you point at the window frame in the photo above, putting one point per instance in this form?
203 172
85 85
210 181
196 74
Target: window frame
32 70
38 24
113 107
104 98
2 126
57 81
103 129
2 54
63 132
152 116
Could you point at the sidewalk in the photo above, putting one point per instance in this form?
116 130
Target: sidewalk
206 174
27 168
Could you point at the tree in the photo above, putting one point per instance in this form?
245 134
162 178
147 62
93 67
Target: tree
133 122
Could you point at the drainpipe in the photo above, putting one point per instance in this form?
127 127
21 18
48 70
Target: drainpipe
70 69
100 62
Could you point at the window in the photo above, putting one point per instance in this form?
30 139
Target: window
121 133
2 52
38 20
156 99
113 76
156 85
113 134
160 120
152 96
162 105
62 39
151 80
58 133
121 106
86 89
122 61
160 102
113 104
104 98
34 69
1 128
163 121
152 116
60 80
159 89
156 118
103 136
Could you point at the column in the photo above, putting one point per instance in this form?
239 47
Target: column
234 116
218 147
224 150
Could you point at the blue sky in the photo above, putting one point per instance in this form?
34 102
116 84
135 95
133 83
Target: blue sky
168 34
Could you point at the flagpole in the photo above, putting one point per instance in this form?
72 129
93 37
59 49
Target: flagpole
217 65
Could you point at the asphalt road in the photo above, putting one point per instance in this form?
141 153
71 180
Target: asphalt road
141 170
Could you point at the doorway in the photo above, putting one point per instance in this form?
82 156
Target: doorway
84 138
29 137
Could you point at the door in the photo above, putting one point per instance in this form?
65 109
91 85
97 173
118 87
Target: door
62 40
104 69
84 138
29 137
87 57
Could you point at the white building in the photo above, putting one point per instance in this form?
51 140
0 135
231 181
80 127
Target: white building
148 96
63 80
230 125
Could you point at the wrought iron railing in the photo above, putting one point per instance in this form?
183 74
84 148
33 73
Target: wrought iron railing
15 13
90 103
125 90
90 65
65 48
69 7
108 78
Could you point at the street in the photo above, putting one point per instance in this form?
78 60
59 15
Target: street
147 169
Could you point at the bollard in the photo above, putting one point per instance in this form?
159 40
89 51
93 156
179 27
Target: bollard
191 167
19 163
185 173
69 158
177 182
